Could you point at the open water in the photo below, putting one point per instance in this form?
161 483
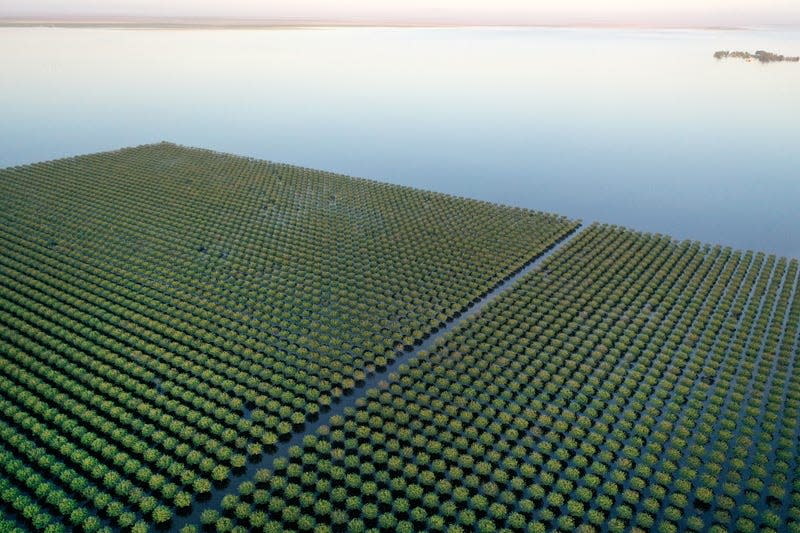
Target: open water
641 128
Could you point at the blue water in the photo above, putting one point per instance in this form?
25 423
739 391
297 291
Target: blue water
635 127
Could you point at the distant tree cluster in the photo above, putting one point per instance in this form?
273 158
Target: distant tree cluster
760 55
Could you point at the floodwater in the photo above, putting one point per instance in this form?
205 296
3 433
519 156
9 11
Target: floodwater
642 128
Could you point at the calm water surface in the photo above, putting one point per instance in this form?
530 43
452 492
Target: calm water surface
635 127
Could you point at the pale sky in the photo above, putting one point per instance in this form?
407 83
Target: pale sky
666 12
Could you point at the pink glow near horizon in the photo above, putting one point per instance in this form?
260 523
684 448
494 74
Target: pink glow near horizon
712 12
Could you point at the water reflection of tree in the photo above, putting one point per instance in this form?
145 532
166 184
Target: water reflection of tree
760 55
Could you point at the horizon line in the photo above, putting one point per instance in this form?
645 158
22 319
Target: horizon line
210 22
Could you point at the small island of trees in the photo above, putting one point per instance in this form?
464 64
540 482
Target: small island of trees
760 55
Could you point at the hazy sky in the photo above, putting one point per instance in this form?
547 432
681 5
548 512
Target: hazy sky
476 11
